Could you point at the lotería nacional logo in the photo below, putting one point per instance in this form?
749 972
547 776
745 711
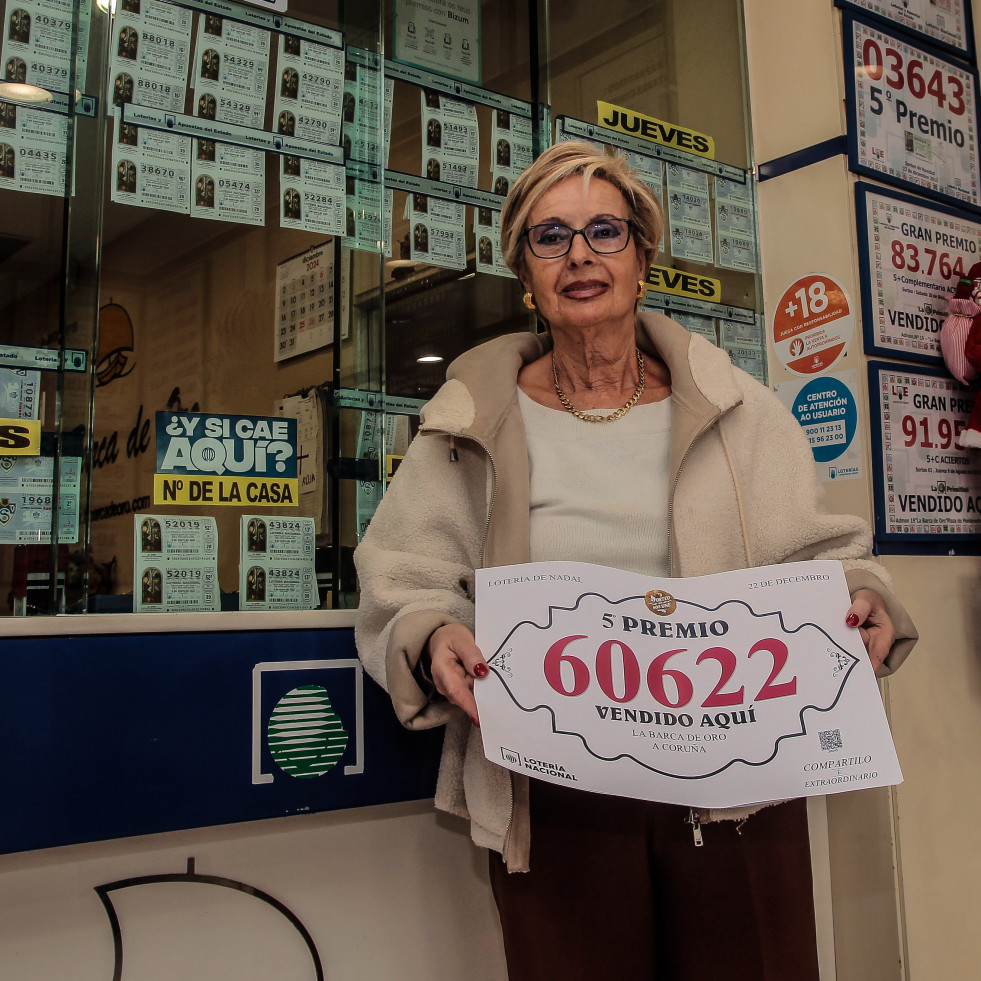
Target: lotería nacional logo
7 510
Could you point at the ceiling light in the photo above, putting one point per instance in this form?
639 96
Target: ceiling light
430 359
22 92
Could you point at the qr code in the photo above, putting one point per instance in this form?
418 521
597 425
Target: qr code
830 740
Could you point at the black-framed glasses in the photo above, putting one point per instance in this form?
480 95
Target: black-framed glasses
552 239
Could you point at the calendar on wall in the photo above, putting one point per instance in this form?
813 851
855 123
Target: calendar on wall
305 308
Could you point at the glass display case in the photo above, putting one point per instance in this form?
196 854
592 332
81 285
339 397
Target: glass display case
239 246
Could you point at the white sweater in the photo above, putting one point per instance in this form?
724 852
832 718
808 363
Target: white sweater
599 491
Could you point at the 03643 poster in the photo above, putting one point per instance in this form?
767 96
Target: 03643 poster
716 691
912 113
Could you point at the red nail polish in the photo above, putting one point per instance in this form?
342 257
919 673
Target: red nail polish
852 620
480 670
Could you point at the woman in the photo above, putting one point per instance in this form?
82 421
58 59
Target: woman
620 439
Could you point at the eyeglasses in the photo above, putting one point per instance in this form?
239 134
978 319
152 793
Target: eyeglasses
551 240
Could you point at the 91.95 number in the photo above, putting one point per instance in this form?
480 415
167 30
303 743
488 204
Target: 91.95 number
918 430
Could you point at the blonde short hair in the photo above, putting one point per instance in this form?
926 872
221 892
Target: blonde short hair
567 160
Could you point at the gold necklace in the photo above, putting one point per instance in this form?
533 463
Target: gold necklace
589 417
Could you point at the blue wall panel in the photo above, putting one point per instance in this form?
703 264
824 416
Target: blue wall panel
116 735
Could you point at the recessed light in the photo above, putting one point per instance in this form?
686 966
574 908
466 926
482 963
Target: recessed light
429 359
22 92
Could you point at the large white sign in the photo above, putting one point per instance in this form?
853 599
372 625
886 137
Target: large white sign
927 487
914 254
716 691
913 114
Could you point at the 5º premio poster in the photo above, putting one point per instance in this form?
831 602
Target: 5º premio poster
927 487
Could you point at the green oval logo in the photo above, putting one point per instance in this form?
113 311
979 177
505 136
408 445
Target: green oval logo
306 737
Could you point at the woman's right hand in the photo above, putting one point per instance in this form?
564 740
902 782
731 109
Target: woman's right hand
455 662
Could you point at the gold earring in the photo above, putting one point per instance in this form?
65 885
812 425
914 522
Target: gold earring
641 289
529 301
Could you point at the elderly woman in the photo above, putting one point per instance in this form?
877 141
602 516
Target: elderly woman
620 439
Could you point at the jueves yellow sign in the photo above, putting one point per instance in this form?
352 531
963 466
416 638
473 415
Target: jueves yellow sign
20 437
656 130
661 279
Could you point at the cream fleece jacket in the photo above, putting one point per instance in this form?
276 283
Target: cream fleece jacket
744 493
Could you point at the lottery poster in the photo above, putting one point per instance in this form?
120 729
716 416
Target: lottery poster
151 168
176 564
305 313
735 226
449 139
27 499
913 252
33 150
312 195
37 38
226 460
20 393
229 183
912 114
231 65
945 22
276 564
511 148
827 409
309 90
716 691
689 214
150 54
927 487
487 235
438 236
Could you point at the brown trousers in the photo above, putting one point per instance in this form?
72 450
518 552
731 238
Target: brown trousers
618 890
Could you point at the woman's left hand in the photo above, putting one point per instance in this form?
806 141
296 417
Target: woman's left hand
868 613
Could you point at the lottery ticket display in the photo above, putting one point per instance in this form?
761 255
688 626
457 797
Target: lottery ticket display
276 564
438 236
33 150
689 214
176 564
37 43
230 69
150 54
27 498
